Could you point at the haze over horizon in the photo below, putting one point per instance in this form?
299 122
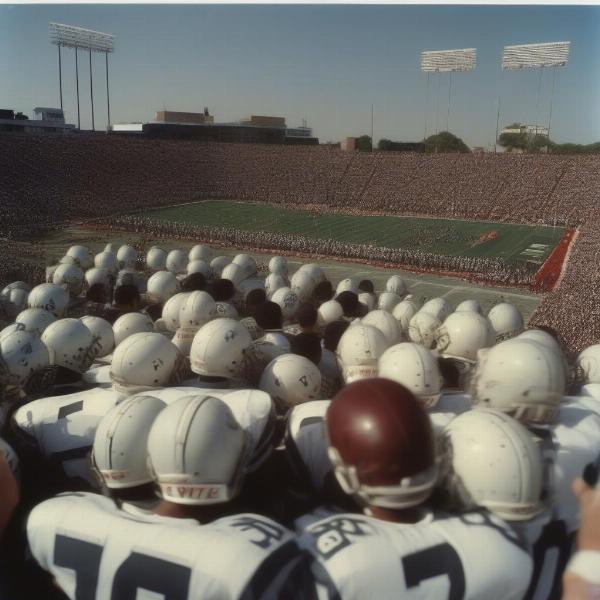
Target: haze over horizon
325 63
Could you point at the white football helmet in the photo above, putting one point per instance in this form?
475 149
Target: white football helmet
217 265
278 266
291 379
156 259
347 285
110 247
82 256
198 309
200 252
176 262
226 310
218 349
548 341
102 330
303 284
492 461
17 300
170 311
23 353
329 312
422 328
403 312
462 335
438 307
273 282
469 306
385 322
196 451
397 285
15 285
416 369
35 319
142 362
388 301
247 263
101 276
50 297
130 323
315 271
521 378
119 453
234 273
589 363
368 300
69 276
70 344
126 257
359 349
506 320
288 301
106 260
161 286
199 266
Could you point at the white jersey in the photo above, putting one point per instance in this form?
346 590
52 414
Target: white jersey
63 427
95 550
474 556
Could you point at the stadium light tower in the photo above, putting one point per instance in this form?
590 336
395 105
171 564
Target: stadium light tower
537 56
86 39
445 61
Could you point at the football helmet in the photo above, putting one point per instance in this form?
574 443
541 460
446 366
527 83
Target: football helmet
126 257
381 444
278 266
217 265
226 310
462 335
347 285
106 260
273 282
396 285
119 453
161 286
247 263
422 328
387 301
438 307
200 252
50 297
199 266
171 309
70 344
368 300
101 276
144 361
469 306
288 301
197 451
156 259
359 350
490 460
519 377
130 323
314 270
15 300
82 256
403 312
234 273
329 312
218 349
303 285
176 262
589 363
35 319
69 276
549 342
416 369
291 379
102 330
198 309
385 322
506 321
15 285
23 353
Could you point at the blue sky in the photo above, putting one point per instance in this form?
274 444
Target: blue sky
325 63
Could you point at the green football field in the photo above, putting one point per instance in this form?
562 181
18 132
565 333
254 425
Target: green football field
514 243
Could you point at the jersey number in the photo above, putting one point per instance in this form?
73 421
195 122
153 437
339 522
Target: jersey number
138 571
433 562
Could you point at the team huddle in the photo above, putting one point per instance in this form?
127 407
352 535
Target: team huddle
179 426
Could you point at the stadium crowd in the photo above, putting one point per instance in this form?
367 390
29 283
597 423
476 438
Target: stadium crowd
192 426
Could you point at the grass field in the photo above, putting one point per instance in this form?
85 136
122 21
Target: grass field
514 243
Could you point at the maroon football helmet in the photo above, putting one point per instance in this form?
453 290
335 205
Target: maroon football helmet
381 444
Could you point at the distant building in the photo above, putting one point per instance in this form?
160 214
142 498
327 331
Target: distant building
527 129
184 118
46 120
262 121
348 144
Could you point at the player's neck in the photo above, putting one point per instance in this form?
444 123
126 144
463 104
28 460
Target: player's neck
396 515
202 514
